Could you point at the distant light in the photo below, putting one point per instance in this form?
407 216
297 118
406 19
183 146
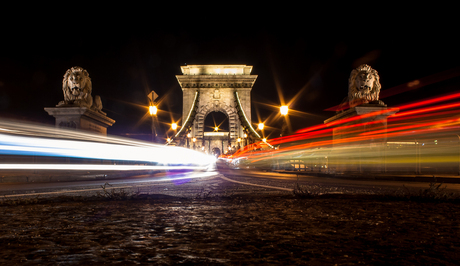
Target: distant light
194 139
216 129
264 140
284 109
238 139
174 126
261 126
153 110
189 135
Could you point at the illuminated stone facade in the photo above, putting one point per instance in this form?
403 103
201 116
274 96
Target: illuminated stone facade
216 85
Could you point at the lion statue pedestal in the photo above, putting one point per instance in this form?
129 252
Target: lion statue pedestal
352 150
79 110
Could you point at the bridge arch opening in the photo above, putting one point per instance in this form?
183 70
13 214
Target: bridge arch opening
216 152
216 119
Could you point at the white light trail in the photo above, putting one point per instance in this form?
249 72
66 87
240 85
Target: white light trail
10 144
21 139
95 167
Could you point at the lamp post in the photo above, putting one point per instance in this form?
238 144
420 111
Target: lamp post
153 113
189 136
169 139
261 128
152 96
284 112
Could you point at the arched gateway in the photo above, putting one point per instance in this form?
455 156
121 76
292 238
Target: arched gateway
216 88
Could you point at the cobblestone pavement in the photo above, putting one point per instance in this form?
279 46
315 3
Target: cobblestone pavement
212 221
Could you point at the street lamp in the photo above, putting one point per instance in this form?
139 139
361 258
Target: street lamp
187 140
153 110
153 113
284 110
173 126
152 96
261 126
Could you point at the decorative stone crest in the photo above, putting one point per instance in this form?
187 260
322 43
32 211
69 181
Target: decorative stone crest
364 86
216 94
77 88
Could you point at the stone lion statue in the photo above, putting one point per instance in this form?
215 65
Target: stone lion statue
364 86
77 88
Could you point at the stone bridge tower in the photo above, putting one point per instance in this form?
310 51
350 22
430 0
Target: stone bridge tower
217 88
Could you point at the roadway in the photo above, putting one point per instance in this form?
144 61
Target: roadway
221 181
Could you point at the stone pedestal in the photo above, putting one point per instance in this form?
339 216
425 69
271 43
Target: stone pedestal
80 118
354 149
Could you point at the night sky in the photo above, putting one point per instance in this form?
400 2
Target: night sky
125 63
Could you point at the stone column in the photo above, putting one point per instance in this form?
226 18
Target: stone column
352 151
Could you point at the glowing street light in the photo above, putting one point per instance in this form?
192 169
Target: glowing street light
216 129
153 113
284 110
152 96
261 126
173 126
153 110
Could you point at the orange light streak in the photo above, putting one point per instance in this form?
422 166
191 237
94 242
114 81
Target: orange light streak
401 124
430 101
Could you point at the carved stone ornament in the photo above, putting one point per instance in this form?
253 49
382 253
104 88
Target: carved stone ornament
216 94
364 86
77 89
